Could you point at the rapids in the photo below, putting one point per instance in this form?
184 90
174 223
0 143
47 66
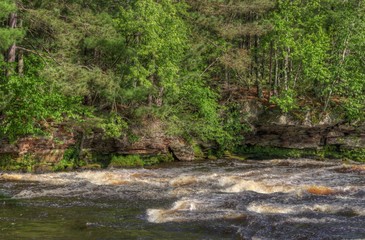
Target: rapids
271 199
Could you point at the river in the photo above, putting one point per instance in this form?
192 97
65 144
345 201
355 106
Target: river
267 199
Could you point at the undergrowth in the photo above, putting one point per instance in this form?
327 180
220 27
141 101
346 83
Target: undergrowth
261 152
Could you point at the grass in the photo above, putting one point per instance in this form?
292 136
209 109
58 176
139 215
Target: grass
126 161
259 152
273 152
138 161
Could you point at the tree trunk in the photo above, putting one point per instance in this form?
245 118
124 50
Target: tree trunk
159 99
20 63
286 69
12 50
276 81
270 69
256 68
11 53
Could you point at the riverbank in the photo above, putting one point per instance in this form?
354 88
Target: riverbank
67 148
28 163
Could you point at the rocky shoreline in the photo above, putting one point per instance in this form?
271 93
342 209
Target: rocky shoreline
46 152
307 137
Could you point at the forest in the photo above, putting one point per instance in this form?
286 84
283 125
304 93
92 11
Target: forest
190 64
182 119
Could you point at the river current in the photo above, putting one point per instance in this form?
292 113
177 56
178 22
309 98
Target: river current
266 199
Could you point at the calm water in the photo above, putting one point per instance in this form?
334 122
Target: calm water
275 199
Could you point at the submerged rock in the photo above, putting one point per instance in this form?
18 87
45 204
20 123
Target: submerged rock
320 190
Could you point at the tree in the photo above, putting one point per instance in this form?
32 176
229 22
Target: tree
318 49
155 41
27 100
9 34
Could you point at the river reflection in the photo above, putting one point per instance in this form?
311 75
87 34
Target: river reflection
272 199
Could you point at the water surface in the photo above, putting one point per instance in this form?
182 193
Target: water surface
272 199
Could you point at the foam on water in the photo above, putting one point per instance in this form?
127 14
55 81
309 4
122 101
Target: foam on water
296 209
257 186
192 210
173 214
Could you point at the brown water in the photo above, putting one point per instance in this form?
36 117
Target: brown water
274 199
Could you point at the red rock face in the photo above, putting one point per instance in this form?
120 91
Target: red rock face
47 149
51 149
152 141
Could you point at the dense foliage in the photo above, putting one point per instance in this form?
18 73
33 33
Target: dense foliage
190 64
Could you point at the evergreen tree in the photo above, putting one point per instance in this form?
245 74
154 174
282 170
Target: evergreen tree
9 34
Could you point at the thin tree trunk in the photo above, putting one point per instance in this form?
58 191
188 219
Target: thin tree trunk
20 63
286 69
11 53
150 96
159 99
276 82
226 82
12 50
263 62
270 69
20 56
256 68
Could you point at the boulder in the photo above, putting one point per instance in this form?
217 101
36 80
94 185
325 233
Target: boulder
182 151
